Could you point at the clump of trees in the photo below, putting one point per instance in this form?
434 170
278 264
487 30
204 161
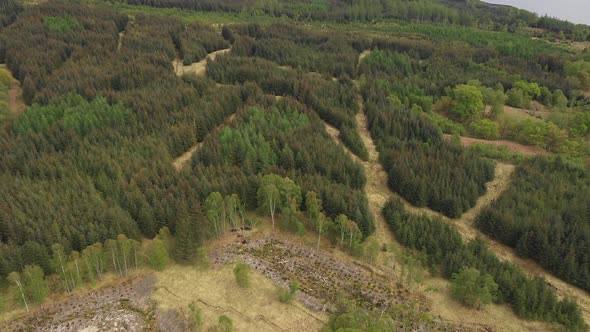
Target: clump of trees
472 288
522 93
468 103
350 315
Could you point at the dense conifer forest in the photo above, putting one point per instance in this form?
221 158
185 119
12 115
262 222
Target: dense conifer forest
89 174
544 216
444 251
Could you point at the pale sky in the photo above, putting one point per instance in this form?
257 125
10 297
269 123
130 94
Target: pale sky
576 11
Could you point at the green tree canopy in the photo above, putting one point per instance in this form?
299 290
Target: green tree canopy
472 288
468 102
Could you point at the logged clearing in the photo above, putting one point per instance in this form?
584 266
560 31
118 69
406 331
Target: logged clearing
528 150
15 93
121 305
197 68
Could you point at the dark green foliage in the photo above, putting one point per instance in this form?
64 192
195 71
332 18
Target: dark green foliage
447 253
82 168
190 232
287 45
545 216
9 9
334 101
94 158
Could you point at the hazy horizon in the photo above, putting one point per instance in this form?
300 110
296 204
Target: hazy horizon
576 11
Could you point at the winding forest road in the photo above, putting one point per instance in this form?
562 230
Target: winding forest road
199 69
378 193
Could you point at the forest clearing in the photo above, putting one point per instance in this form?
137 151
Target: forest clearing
309 166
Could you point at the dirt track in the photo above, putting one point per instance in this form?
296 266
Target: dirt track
15 94
516 147
435 289
378 194
197 68
181 161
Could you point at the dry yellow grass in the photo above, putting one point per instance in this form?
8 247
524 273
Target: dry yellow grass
216 293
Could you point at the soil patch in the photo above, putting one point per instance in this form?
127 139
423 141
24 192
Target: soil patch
516 147
181 161
581 45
